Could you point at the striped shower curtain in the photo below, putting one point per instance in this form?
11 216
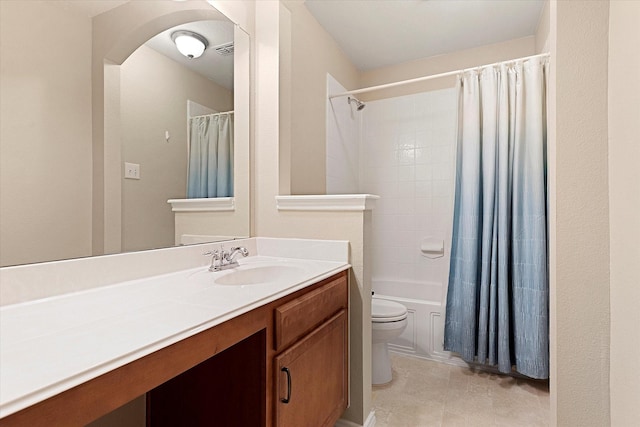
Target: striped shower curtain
497 310
210 172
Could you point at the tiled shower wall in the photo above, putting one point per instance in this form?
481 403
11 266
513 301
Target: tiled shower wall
401 149
407 158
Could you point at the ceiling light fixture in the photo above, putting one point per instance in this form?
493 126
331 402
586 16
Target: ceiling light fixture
190 44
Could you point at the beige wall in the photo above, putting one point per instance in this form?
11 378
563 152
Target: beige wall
542 32
45 132
269 222
314 54
579 214
440 64
285 102
624 208
153 96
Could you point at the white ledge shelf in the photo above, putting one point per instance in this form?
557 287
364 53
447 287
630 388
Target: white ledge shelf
217 204
329 202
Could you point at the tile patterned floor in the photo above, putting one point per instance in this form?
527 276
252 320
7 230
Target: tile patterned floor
424 394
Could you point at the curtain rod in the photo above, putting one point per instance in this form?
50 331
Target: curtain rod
213 114
434 76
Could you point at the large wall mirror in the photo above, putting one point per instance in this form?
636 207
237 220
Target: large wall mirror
103 121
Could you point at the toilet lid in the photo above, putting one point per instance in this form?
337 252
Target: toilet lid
383 309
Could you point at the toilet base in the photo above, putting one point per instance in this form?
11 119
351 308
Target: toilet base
380 364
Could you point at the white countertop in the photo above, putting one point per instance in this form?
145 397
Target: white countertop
52 344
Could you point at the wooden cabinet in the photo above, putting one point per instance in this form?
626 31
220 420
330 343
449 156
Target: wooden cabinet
311 375
311 379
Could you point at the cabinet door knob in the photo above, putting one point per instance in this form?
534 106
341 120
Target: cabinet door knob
288 398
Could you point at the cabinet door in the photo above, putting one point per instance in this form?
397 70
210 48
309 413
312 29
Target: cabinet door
312 376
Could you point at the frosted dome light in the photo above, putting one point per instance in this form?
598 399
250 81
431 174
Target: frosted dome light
190 44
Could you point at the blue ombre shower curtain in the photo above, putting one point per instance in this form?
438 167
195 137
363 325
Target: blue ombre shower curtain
497 309
210 172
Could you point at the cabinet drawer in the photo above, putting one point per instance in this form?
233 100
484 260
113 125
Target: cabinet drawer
298 317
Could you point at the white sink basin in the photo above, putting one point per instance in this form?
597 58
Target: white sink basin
255 275
256 270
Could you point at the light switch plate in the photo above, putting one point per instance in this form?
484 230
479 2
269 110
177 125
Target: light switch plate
131 170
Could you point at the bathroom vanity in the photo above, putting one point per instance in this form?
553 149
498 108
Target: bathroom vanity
289 357
262 344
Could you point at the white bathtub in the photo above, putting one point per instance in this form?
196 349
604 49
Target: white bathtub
424 334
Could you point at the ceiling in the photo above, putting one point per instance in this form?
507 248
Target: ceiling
212 65
378 33
93 8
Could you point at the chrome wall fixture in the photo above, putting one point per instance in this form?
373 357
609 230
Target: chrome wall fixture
359 104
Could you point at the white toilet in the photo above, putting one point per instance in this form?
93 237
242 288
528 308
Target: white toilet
388 321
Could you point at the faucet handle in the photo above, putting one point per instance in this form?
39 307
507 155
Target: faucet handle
214 253
215 256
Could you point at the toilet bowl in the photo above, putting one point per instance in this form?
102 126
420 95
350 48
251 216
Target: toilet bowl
388 321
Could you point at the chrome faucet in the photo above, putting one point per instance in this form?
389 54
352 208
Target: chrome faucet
222 260
229 256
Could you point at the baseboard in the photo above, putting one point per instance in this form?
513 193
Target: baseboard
369 422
